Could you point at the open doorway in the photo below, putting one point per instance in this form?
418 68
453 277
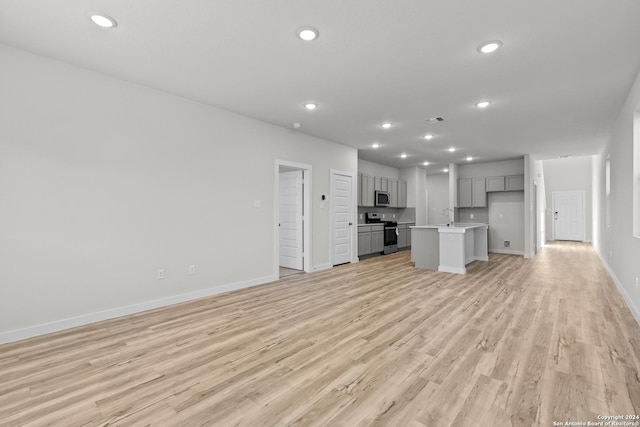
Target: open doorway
292 218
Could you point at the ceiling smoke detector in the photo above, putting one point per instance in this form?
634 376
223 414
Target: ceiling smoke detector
434 120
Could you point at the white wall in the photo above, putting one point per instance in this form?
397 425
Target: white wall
616 245
569 174
506 211
540 216
501 168
506 219
103 182
437 197
416 192
376 169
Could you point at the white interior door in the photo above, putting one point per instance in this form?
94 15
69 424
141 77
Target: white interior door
341 205
291 219
568 215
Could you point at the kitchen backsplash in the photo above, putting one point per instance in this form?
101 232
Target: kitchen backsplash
402 214
479 215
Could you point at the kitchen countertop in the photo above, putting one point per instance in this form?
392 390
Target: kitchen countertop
458 227
455 225
382 223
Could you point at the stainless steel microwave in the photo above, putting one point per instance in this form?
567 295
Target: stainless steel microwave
383 198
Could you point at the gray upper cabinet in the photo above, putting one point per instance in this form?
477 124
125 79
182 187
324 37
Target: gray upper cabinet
365 190
402 194
369 184
495 183
393 192
505 183
464 193
381 183
472 193
479 199
515 183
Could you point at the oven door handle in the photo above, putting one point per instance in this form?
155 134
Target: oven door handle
397 232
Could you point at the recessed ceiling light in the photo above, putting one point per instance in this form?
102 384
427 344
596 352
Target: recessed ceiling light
297 125
469 158
102 20
386 125
310 106
428 136
452 149
375 145
483 104
445 170
403 155
308 33
426 163
490 46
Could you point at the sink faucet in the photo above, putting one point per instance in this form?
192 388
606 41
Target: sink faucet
448 214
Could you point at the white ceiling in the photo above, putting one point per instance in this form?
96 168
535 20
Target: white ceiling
556 85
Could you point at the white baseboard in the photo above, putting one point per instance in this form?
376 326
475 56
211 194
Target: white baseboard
506 252
85 319
627 299
452 270
322 267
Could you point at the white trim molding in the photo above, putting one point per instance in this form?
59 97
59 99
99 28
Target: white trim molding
627 299
86 319
307 208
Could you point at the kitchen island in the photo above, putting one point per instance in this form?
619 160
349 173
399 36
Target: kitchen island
449 248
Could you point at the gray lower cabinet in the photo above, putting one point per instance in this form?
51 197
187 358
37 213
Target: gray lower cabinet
364 241
377 241
370 239
404 235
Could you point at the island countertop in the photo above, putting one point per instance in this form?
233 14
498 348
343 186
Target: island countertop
459 227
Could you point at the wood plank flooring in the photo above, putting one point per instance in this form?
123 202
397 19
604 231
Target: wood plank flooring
515 342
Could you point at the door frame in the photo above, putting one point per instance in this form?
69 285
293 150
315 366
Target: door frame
584 212
332 214
306 217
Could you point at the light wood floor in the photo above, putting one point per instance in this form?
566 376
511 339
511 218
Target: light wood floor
514 342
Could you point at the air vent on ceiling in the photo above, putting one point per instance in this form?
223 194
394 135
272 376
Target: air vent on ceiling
434 120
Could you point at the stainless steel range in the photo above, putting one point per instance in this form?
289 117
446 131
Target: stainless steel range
390 231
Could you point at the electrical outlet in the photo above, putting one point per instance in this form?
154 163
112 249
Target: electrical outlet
382 216
610 254
507 243
160 274
360 216
192 270
637 283
470 216
394 216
